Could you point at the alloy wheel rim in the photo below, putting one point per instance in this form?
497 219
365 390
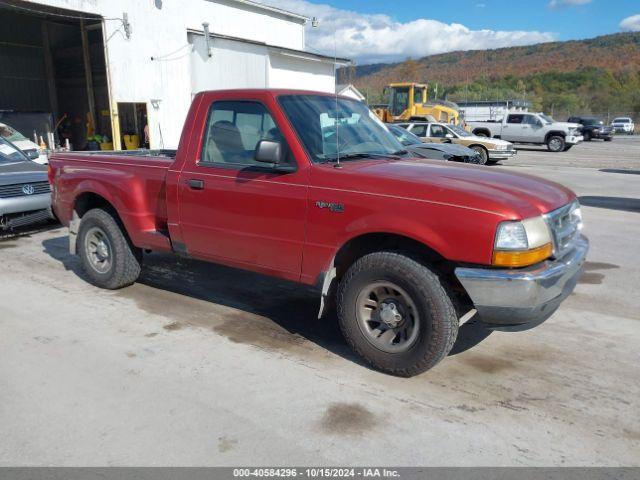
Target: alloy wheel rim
387 316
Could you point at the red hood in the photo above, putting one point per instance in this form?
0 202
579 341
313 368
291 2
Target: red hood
508 194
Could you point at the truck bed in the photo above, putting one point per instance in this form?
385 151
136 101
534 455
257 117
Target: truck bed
135 180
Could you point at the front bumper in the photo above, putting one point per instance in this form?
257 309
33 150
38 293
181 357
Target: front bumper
25 203
573 139
502 153
602 134
519 299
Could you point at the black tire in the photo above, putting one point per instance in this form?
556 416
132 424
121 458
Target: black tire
481 134
484 154
437 324
125 260
586 136
556 143
492 162
608 139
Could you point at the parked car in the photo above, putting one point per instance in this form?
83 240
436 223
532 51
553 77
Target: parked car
531 128
623 125
433 151
25 195
593 127
403 246
30 149
491 150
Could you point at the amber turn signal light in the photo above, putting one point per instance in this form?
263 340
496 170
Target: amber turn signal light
521 258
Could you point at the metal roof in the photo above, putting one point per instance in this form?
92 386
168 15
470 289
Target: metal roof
283 50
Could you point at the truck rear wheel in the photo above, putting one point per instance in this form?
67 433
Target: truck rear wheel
395 313
107 255
555 143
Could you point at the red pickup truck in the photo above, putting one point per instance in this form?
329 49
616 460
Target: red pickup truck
312 188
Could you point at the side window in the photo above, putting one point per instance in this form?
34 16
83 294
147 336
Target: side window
419 130
233 131
515 118
438 131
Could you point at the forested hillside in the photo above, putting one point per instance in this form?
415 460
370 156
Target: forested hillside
597 75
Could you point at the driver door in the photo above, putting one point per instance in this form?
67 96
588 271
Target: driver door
233 209
438 134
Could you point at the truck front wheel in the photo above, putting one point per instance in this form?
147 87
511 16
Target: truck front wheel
395 313
555 143
107 255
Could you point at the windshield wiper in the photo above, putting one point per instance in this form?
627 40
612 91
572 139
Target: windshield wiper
349 156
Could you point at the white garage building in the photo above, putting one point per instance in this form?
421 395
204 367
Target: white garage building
145 59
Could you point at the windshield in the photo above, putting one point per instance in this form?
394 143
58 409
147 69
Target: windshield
405 137
350 129
9 153
459 131
547 118
622 120
593 121
10 134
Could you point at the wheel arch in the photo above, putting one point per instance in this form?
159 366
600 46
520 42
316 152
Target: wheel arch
89 200
370 242
366 243
486 131
554 133
479 145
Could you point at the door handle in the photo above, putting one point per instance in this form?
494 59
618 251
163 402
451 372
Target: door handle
196 184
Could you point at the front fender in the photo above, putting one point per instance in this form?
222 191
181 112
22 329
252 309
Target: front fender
458 234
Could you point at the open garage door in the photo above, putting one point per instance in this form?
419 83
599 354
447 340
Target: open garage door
53 76
232 64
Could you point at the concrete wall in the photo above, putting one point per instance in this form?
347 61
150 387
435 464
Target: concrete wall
159 29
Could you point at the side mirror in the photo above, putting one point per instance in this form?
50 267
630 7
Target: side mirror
33 154
268 151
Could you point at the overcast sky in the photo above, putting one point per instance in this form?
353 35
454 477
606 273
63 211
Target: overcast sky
371 31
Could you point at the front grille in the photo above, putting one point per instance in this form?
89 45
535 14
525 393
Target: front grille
17 189
565 224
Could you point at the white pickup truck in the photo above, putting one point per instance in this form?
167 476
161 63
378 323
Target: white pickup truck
532 128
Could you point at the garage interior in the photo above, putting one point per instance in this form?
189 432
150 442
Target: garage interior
53 75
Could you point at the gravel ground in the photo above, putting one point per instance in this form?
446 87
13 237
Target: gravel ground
203 365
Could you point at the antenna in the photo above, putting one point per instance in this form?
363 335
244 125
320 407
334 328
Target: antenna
335 89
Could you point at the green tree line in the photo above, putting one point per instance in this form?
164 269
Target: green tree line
589 90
